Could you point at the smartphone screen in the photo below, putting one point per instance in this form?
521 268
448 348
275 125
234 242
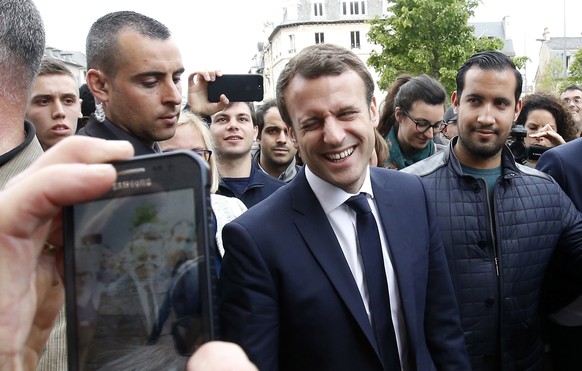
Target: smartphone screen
138 271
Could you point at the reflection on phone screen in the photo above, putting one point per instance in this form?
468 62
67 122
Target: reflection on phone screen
137 282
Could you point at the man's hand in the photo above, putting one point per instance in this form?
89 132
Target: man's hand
198 93
31 288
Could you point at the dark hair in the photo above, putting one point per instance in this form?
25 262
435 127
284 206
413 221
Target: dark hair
248 104
261 112
22 41
571 87
321 60
565 125
489 60
102 45
404 92
88 100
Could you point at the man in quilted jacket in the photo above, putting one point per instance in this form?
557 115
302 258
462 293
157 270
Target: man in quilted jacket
503 224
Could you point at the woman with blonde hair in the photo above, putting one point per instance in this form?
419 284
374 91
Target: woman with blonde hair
192 134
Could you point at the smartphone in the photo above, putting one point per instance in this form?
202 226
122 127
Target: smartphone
139 277
237 88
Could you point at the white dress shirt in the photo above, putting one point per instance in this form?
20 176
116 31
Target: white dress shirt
340 216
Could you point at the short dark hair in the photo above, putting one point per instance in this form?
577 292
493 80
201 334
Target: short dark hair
248 104
571 87
321 60
489 60
261 112
22 41
102 47
404 92
565 125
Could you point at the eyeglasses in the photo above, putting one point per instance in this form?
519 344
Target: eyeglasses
422 126
576 100
206 153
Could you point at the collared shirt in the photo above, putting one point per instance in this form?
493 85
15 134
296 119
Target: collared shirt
20 157
332 200
290 172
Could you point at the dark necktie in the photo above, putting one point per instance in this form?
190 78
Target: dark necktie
379 300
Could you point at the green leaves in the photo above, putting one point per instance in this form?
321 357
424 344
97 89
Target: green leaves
425 36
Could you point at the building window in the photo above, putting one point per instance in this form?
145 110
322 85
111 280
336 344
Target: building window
291 43
353 7
319 38
355 35
318 9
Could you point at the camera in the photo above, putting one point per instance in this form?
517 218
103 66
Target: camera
521 151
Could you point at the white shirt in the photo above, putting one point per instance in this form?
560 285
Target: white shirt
340 216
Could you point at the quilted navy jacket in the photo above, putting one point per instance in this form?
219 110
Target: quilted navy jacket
498 255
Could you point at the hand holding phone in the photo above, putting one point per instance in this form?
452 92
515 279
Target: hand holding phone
138 270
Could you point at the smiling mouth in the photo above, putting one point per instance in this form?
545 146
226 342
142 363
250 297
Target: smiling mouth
340 156
233 138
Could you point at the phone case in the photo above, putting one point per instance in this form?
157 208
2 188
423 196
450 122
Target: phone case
237 88
139 275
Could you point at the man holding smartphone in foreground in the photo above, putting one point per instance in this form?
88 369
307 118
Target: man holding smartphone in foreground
30 238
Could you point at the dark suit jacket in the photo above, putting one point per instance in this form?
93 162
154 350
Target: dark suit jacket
289 298
564 164
108 130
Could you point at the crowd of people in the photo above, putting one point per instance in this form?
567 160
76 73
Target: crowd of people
400 235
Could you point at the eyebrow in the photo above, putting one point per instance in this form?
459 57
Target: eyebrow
50 96
159 73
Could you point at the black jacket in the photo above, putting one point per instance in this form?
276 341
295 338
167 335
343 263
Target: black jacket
498 256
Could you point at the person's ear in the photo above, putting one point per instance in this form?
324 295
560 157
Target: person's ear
455 101
398 114
374 116
98 83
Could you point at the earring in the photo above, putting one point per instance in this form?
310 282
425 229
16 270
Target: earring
99 113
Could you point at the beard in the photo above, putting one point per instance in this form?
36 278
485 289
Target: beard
482 150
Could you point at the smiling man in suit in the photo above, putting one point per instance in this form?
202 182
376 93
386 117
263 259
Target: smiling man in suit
298 289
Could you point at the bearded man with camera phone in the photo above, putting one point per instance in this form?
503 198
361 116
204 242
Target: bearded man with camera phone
504 225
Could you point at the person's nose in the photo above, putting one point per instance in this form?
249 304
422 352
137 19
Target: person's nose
333 132
430 132
283 137
173 93
58 110
486 115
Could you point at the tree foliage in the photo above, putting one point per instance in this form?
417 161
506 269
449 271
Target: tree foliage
575 75
426 36
552 78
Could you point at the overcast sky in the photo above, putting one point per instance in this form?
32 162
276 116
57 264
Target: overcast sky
223 34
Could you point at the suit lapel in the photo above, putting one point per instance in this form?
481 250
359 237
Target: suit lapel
400 237
314 227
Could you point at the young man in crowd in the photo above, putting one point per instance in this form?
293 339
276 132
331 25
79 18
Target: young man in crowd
502 223
233 132
54 106
276 155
